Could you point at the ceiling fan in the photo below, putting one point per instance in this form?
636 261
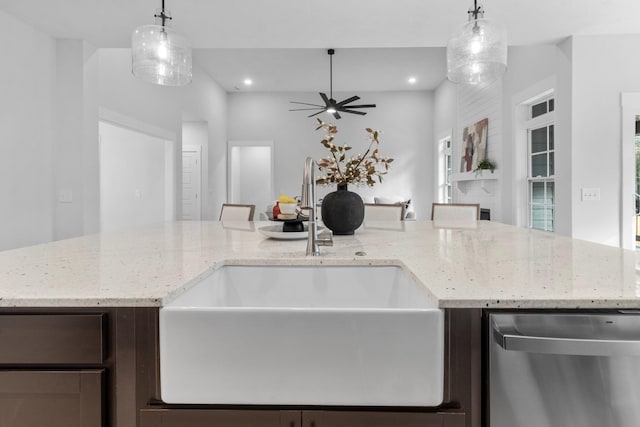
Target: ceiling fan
331 106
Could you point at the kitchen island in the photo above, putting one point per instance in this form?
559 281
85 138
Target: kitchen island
85 311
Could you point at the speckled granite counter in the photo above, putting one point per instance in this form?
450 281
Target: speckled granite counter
493 265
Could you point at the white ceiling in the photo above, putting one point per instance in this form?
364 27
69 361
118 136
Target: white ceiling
281 44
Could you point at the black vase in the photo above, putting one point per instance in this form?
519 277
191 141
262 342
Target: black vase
342 211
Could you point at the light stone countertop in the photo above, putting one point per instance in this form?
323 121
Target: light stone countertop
493 265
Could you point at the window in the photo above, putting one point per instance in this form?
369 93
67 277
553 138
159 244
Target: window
541 108
444 187
541 164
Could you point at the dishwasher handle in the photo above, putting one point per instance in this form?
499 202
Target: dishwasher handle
510 339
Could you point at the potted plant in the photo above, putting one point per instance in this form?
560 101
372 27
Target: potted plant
343 210
483 165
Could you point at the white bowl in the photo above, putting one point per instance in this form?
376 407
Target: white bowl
288 208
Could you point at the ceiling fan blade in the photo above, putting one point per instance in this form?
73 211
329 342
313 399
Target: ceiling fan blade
325 99
346 101
315 114
362 113
336 115
306 103
361 106
304 109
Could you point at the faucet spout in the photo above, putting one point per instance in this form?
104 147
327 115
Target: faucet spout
308 201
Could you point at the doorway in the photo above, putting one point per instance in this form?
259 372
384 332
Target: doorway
251 172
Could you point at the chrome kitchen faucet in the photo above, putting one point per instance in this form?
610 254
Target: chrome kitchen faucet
308 201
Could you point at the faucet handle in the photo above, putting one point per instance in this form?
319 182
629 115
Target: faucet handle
325 238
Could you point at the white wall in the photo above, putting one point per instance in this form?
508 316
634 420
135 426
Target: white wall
133 175
75 157
27 85
603 68
405 119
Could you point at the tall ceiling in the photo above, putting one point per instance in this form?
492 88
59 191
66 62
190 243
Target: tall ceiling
282 44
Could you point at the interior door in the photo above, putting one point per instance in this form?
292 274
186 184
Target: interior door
191 183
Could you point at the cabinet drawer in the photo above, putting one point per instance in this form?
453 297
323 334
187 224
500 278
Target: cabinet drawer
51 339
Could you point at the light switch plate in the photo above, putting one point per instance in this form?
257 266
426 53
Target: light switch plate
590 194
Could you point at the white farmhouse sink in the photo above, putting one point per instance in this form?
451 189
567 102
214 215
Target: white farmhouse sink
303 335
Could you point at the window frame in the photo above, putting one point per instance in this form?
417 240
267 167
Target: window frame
541 121
445 184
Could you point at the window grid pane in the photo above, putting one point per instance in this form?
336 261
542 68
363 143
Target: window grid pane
541 205
539 140
538 109
539 165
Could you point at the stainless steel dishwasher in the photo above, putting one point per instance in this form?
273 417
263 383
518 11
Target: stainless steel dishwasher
564 370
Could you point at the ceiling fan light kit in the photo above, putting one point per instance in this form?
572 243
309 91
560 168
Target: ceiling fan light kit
159 54
478 52
332 106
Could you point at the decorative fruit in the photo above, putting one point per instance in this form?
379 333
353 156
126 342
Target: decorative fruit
286 199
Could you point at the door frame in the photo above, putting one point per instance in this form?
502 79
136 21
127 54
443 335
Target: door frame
630 109
249 143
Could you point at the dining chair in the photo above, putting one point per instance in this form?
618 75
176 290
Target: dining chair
455 211
233 212
383 212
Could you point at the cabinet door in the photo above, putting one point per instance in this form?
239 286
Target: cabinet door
51 398
168 417
382 419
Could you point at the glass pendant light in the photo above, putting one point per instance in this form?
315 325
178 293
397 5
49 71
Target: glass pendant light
478 53
160 55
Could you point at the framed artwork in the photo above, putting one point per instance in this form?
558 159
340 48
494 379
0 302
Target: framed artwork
474 145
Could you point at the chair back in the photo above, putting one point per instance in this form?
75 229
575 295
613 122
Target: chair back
231 212
383 212
455 211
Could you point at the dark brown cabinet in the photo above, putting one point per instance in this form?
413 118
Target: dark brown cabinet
51 398
167 417
99 367
50 370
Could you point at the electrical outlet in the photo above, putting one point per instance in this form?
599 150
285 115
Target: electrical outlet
65 196
590 194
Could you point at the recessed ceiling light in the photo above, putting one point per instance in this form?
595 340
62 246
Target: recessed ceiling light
248 82
412 80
